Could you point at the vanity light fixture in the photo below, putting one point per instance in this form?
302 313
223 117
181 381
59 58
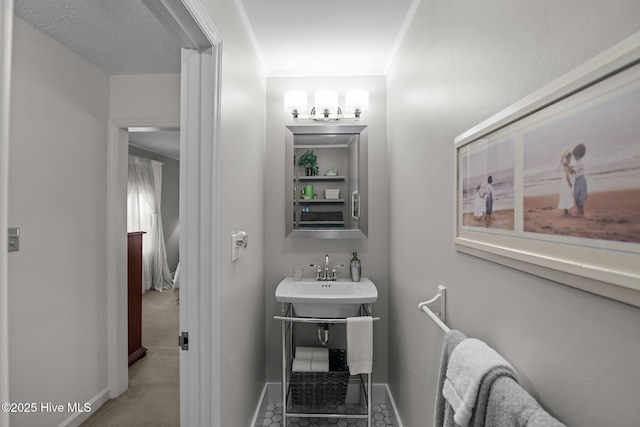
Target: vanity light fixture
326 105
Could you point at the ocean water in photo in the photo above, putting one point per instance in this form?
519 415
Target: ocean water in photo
503 197
609 128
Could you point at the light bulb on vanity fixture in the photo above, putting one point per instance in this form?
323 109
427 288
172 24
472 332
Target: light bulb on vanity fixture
295 102
326 106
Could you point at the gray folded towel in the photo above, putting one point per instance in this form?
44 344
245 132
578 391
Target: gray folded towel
471 363
443 416
480 411
509 405
502 402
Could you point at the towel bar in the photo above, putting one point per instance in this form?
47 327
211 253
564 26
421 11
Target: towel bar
314 320
440 317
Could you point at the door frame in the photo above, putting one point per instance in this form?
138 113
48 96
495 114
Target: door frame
199 217
6 34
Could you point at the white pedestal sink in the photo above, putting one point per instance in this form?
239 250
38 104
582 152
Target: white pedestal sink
328 300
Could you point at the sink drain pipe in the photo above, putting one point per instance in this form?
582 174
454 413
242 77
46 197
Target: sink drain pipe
323 333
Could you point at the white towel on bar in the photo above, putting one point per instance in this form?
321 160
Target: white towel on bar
470 361
360 344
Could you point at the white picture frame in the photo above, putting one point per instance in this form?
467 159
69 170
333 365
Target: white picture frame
521 198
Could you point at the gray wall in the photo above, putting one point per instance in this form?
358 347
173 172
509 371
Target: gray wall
242 170
169 203
57 196
461 62
284 254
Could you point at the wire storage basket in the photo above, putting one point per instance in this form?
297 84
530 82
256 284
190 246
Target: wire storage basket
322 388
321 216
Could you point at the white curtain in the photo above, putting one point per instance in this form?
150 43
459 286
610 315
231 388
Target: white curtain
144 193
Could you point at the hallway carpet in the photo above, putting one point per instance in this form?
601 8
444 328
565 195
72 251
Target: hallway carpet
154 381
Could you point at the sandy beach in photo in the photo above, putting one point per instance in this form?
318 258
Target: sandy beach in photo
502 219
609 215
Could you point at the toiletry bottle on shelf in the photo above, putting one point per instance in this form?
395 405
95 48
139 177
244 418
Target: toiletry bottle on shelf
355 268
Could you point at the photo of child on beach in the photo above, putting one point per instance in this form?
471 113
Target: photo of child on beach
582 172
487 170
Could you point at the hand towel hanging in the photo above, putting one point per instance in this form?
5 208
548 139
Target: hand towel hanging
360 344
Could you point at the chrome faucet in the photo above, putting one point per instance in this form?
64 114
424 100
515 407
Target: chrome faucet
326 268
326 276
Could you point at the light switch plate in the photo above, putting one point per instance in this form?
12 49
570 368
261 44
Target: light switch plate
14 239
239 243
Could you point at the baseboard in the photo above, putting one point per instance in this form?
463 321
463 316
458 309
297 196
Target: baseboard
85 410
393 405
262 403
272 393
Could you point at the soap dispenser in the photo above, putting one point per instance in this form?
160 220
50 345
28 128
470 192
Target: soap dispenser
355 268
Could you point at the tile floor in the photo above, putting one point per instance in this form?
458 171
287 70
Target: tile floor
382 415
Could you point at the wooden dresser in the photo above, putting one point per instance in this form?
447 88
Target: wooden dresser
134 267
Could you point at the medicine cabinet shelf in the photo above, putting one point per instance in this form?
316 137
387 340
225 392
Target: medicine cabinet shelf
320 222
319 201
320 178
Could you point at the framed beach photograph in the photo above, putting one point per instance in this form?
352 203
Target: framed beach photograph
551 185
582 169
487 168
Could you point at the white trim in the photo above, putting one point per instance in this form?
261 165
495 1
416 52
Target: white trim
393 404
6 34
200 394
203 20
242 12
187 20
117 166
117 376
199 222
197 232
261 404
79 417
406 24
216 239
329 73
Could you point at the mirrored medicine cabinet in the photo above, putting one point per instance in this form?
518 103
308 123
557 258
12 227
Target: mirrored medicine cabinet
326 186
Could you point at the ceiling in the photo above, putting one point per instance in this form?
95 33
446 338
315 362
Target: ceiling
118 36
165 142
291 37
329 37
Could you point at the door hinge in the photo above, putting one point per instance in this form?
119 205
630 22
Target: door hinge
183 341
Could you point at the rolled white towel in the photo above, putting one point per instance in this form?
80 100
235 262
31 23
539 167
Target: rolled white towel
320 353
312 353
301 365
304 352
319 365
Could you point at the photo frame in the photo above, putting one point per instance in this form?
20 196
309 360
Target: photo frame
551 185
